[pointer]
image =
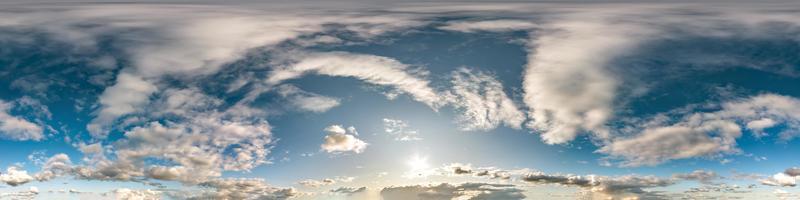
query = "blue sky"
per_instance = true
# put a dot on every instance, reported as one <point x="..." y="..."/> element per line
<point x="399" y="101"/>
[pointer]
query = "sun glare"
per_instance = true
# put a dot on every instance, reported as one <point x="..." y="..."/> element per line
<point x="417" y="162"/>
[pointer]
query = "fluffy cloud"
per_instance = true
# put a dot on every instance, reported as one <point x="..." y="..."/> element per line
<point x="306" y="101"/>
<point x="16" y="128"/>
<point x="196" y="140"/>
<point x="488" y="26"/>
<point x="472" y="191"/>
<point x="780" y="179"/>
<point x="58" y="165"/>
<point x="482" y="103"/>
<point x="15" y="176"/>
<point x="399" y="130"/>
<point x="567" y="84"/>
<point x="376" y="70"/>
<point x="787" y="178"/>
<point x="657" y="145"/>
<point x="130" y="94"/>
<point x="706" y="134"/>
<point x="340" y="140"/>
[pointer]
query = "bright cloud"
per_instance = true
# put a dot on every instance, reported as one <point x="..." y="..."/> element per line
<point x="340" y="140"/>
<point x="369" y="68"/>
<point x="706" y="134"/>
<point x="483" y="104"/>
<point x="16" y="128"/>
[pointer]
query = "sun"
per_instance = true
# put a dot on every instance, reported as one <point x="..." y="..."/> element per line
<point x="418" y="162"/>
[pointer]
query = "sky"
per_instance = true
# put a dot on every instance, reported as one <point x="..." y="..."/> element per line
<point x="404" y="100"/>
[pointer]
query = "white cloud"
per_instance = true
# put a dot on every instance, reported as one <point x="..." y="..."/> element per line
<point x="501" y="25"/>
<point x="181" y="41"/>
<point x="58" y="165"/>
<point x="780" y="179"/>
<point x="376" y="70"/>
<point x="338" y="140"/>
<point x="191" y="150"/>
<point x="182" y="102"/>
<point x="399" y="130"/>
<point x="758" y="126"/>
<point x="657" y="145"/>
<point x="16" y="128"/>
<point x="706" y="134"/>
<point x="15" y="176"/>
<point x="567" y="84"/>
<point x="482" y="103"/>
<point x="129" y="95"/>
<point x="304" y="100"/>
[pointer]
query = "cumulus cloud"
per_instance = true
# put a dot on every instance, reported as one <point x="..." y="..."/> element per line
<point x="372" y="69"/>
<point x="787" y="178"/>
<point x="473" y="191"/>
<point x="340" y="140"/>
<point x="196" y="141"/>
<point x="482" y="102"/>
<point x="58" y="165"/>
<point x="706" y="134"/>
<point x="500" y="25"/>
<point x="780" y="179"/>
<point x="16" y="128"/>
<point x="399" y="130"/>
<point x="15" y="176"/>
<point x="567" y="84"/>
<point x="306" y="101"/>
